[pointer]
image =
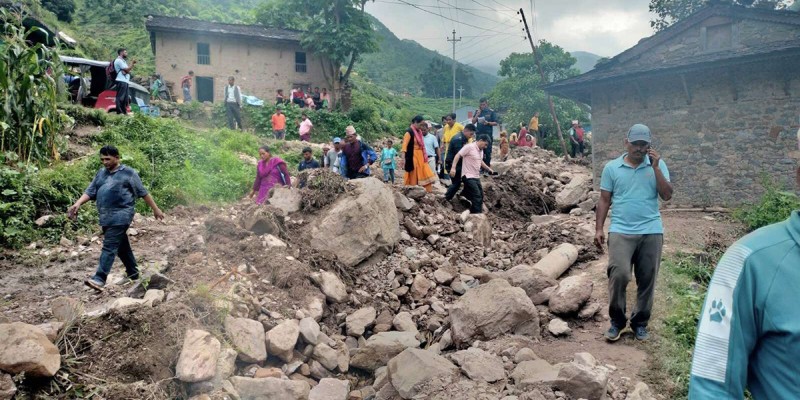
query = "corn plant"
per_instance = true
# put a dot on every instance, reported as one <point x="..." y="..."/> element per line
<point x="29" y="89"/>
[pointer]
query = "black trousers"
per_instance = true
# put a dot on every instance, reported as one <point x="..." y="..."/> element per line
<point x="487" y="153"/>
<point x="576" y="148"/>
<point x="123" y="100"/>
<point x="234" y="113"/>
<point x="473" y="191"/>
<point x="455" y="184"/>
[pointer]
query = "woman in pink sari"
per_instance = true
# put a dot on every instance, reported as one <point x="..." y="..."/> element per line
<point x="270" y="171"/>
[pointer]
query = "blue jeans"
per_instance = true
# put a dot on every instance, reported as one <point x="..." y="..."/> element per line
<point x="388" y="175"/>
<point x="187" y="94"/>
<point x="115" y="243"/>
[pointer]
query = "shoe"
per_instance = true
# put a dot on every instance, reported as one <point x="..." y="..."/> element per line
<point x="94" y="284"/>
<point x="613" y="333"/>
<point x="641" y="333"/>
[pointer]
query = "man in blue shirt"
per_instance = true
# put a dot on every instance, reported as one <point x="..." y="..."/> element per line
<point x="485" y="119"/>
<point x="749" y="329"/>
<point x="632" y="183"/>
<point x="431" y="148"/>
<point x="114" y="189"/>
<point x="123" y="99"/>
<point x="308" y="161"/>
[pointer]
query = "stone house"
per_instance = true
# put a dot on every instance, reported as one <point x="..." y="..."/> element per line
<point x="261" y="59"/>
<point x="720" y="91"/>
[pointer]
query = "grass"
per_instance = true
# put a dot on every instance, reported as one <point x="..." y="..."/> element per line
<point x="775" y="205"/>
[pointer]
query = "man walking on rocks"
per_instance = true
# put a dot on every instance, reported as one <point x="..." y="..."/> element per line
<point x="749" y="329"/>
<point x="632" y="183"/>
<point x="472" y="154"/>
<point x="456" y="144"/>
<point x="115" y="189"/>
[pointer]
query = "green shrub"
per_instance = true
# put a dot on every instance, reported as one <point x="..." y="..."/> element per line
<point x="774" y="206"/>
<point x="84" y="115"/>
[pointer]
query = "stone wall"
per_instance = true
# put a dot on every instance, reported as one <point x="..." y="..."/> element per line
<point x="717" y="148"/>
<point x="260" y="67"/>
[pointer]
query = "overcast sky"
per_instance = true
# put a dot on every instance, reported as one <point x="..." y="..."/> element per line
<point x="604" y="27"/>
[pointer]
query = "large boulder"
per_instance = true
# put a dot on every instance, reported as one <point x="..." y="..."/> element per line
<point x="198" y="359"/>
<point x="7" y="387"/>
<point x="285" y="199"/>
<point x="358" y="225"/>
<point x="479" y="226"/>
<point x="226" y="366"/>
<point x="381" y="347"/>
<point x="571" y="294"/>
<point x="582" y="381"/>
<point x="329" y="283"/>
<point x="532" y="373"/>
<point x="309" y="330"/>
<point x="25" y="348"/>
<point x="270" y="388"/>
<point x="479" y="365"/>
<point x="531" y="280"/>
<point x="248" y="338"/>
<point x="573" y="192"/>
<point x="282" y="338"/>
<point x="330" y="389"/>
<point x="416" y="371"/>
<point x="491" y="310"/>
<point x="358" y="321"/>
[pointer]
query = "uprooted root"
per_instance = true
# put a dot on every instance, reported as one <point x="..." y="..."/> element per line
<point x="509" y="196"/>
<point x="320" y="187"/>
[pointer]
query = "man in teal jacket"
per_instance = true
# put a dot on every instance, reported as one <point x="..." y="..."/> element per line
<point x="749" y="332"/>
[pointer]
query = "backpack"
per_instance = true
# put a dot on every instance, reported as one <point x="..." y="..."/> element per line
<point x="111" y="71"/>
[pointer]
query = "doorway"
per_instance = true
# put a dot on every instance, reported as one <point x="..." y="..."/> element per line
<point x="205" y="88"/>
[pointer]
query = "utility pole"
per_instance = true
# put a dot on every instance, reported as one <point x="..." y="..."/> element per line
<point x="460" y="93"/>
<point x="454" y="40"/>
<point x="544" y="81"/>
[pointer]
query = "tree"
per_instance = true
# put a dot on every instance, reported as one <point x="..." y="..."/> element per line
<point x="63" y="9"/>
<point x="670" y="11"/>
<point x="437" y="78"/>
<point x="337" y="30"/>
<point x="519" y="94"/>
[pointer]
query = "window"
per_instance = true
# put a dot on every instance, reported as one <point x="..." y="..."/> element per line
<point x="300" y="61"/>
<point x="203" y="54"/>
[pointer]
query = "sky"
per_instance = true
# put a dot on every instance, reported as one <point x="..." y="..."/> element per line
<point x="490" y="30"/>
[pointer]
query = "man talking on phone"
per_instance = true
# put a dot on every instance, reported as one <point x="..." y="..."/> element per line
<point x="632" y="183"/>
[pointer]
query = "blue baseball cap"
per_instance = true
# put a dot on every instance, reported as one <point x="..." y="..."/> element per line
<point x="639" y="132"/>
<point x="337" y="140"/>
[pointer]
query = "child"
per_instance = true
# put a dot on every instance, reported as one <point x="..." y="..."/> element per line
<point x="387" y="161"/>
<point x="513" y="138"/>
<point x="503" y="145"/>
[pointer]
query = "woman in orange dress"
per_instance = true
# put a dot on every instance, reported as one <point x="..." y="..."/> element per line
<point x="417" y="170"/>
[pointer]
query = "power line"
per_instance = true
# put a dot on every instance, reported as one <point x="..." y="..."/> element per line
<point x="494" y="9"/>
<point x="494" y="53"/>
<point x="461" y="23"/>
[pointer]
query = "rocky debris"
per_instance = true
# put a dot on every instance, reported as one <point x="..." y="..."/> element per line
<point x="556" y="262"/>
<point x="150" y="280"/>
<point x="154" y="297"/>
<point x="248" y="338"/>
<point x="330" y="389"/>
<point x="268" y="373"/>
<point x="262" y="221"/>
<point x="351" y="246"/>
<point x="124" y="303"/>
<point x="226" y="366"/>
<point x="414" y="192"/>
<point x="334" y="289"/>
<point x="25" y="348"/>
<point x="524" y="354"/>
<point x="282" y="338"/>
<point x="444" y="276"/>
<point x="51" y="329"/>
<point x="416" y="371"/>
<point x="420" y="287"/>
<point x="479" y="226"/>
<point x="571" y="294"/>
<point x="309" y="330"/>
<point x="7" y="387"/>
<point x="590" y="310"/>
<point x="558" y="327"/>
<point x="272" y="242"/>
<point x="326" y="355"/>
<point x="491" y="310"/>
<point x="573" y="192"/>
<point x="198" y="359"/>
<point x="583" y="381"/>
<point x="358" y="321"/>
<point x="270" y="388"/>
<point x="479" y="365"/>
<point x="640" y="392"/>
<point x="532" y="280"/>
<point x="403" y="322"/>
<point x="66" y="309"/>
<point x="286" y="199"/>
<point x="403" y="203"/>
<point x="528" y="374"/>
<point x="381" y="347"/>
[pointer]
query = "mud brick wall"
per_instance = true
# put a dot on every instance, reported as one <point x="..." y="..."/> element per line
<point x="740" y="124"/>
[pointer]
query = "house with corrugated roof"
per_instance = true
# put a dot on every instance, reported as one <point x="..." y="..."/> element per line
<point x="262" y="59"/>
<point x="720" y="91"/>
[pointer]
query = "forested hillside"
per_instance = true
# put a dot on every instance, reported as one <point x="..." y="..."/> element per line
<point x="391" y="68"/>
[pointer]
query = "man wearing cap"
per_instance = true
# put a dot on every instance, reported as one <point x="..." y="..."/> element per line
<point x="279" y="123"/>
<point x="632" y="183"/>
<point x="356" y="156"/>
<point x="576" y="139"/>
<point x="333" y="157"/>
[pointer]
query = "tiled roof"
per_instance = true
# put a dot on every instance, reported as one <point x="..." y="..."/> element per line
<point x="157" y="23"/>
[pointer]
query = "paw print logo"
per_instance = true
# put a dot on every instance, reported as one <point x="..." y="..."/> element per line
<point x="717" y="312"/>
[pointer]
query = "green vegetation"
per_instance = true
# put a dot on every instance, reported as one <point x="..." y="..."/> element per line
<point x="397" y="67"/>
<point x="670" y="11"/>
<point x="29" y="119"/>
<point x="774" y="206"/>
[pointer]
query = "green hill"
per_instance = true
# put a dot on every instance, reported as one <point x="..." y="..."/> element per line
<point x="390" y="67"/>
<point x="586" y="60"/>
